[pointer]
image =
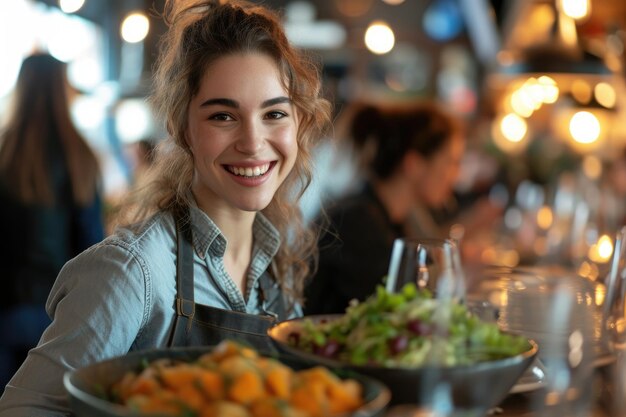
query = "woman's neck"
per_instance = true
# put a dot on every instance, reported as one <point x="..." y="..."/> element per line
<point x="238" y="255"/>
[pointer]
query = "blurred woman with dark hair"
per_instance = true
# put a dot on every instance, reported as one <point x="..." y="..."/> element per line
<point x="411" y="154"/>
<point x="51" y="206"/>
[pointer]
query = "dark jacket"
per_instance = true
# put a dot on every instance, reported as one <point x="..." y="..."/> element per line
<point x="354" y="253"/>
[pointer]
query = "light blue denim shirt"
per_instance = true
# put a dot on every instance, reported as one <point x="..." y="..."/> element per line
<point x="118" y="296"/>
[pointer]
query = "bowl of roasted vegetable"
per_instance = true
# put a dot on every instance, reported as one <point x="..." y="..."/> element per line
<point x="430" y="352"/>
<point x="228" y="380"/>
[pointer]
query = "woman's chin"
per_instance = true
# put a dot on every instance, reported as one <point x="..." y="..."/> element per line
<point x="252" y="205"/>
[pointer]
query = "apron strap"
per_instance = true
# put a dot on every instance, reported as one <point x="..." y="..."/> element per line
<point x="185" y="305"/>
<point x="184" y="266"/>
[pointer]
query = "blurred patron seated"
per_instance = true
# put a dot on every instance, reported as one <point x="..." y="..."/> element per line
<point x="51" y="203"/>
<point x="411" y="153"/>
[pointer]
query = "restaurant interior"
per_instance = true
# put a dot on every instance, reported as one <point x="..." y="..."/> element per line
<point x="540" y="89"/>
<point x="538" y="85"/>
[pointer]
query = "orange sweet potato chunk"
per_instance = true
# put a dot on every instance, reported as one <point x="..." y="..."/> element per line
<point x="268" y="407"/>
<point x="211" y="384"/>
<point x="175" y="376"/>
<point x="247" y="388"/>
<point x="278" y="380"/>
<point x="344" y="396"/>
<point x="310" y="397"/>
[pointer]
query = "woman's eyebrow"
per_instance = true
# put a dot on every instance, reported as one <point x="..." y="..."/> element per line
<point x="221" y="101"/>
<point x="274" y="101"/>
<point x="234" y="104"/>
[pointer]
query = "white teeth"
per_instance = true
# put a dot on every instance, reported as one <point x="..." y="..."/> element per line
<point x="249" y="171"/>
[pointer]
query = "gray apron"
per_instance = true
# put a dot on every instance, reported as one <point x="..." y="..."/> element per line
<point x="202" y="325"/>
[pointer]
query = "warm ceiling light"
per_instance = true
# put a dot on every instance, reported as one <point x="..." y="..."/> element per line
<point x="513" y="127"/>
<point x="601" y="251"/>
<point x="576" y="9"/>
<point x="550" y="89"/>
<point x="605" y="95"/>
<point x="71" y="6"/>
<point x="135" y="27"/>
<point x="522" y="104"/>
<point x="534" y="91"/>
<point x="379" y="38"/>
<point x="394" y="2"/>
<point x="553" y="50"/>
<point x="509" y="133"/>
<point x="584" y="127"/>
<point x="544" y="217"/>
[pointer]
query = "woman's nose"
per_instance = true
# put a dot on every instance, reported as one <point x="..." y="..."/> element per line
<point x="251" y="138"/>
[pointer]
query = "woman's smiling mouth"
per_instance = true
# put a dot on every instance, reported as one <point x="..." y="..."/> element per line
<point x="249" y="172"/>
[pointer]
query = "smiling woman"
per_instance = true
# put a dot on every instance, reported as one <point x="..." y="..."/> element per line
<point x="213" y="245"/>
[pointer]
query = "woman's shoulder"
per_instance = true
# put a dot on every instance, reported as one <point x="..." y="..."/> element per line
<point x="143" y="250"/>
<point x="158" y="228"/>
<point x="146" y="241"/>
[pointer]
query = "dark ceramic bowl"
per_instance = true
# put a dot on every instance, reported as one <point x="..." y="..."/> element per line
<point x="477" y="387"/>
<point x="87" y="385"/>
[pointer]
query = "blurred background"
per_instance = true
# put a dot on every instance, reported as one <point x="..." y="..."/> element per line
<point x="539" y="83"/>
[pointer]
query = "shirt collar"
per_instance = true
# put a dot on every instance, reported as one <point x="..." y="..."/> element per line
<point x="207" y="236"/>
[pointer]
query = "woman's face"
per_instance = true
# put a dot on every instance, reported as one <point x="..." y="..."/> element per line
<point x="242" y="133"/>
<point x="440" y="173"/>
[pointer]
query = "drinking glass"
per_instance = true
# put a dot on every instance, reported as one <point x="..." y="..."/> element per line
<point x="557" y="310"/>
<point x="435" y="265"/>
<point x="614" y="304"/>
<point x="432" y="264"/>
<point x="613" y="334"/>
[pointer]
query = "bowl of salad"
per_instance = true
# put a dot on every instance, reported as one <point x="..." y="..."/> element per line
<point x="431" y="352"/>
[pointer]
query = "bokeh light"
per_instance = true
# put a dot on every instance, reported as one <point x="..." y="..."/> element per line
<point x="576" y="9"/>
<point x="605" y="95"/>
<point x="379" y="37"/>
<point x="584" y="127"/>
<point x="135" y="27"/>
<point x="133" y="120"/>
<point x="71" y="6"/>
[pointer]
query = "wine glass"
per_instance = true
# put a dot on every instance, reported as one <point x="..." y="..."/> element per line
<point x="435" y="265"/>
<point x="556" y="309"/>
<point x="431" y="264"/>
<point x="614" y="304"/>
<point x="613" y="330"/>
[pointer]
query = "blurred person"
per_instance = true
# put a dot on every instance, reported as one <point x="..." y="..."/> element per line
<point x="51" y="203"/>
<point x="217" y="228"/>
<point x="411" y="153"/>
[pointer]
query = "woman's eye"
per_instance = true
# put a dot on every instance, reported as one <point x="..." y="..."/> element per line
<point x="221" y="117"/>
<point x="276" y="115"/>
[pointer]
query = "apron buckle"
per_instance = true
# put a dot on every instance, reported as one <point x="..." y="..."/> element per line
<point x="185" y="307"/>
